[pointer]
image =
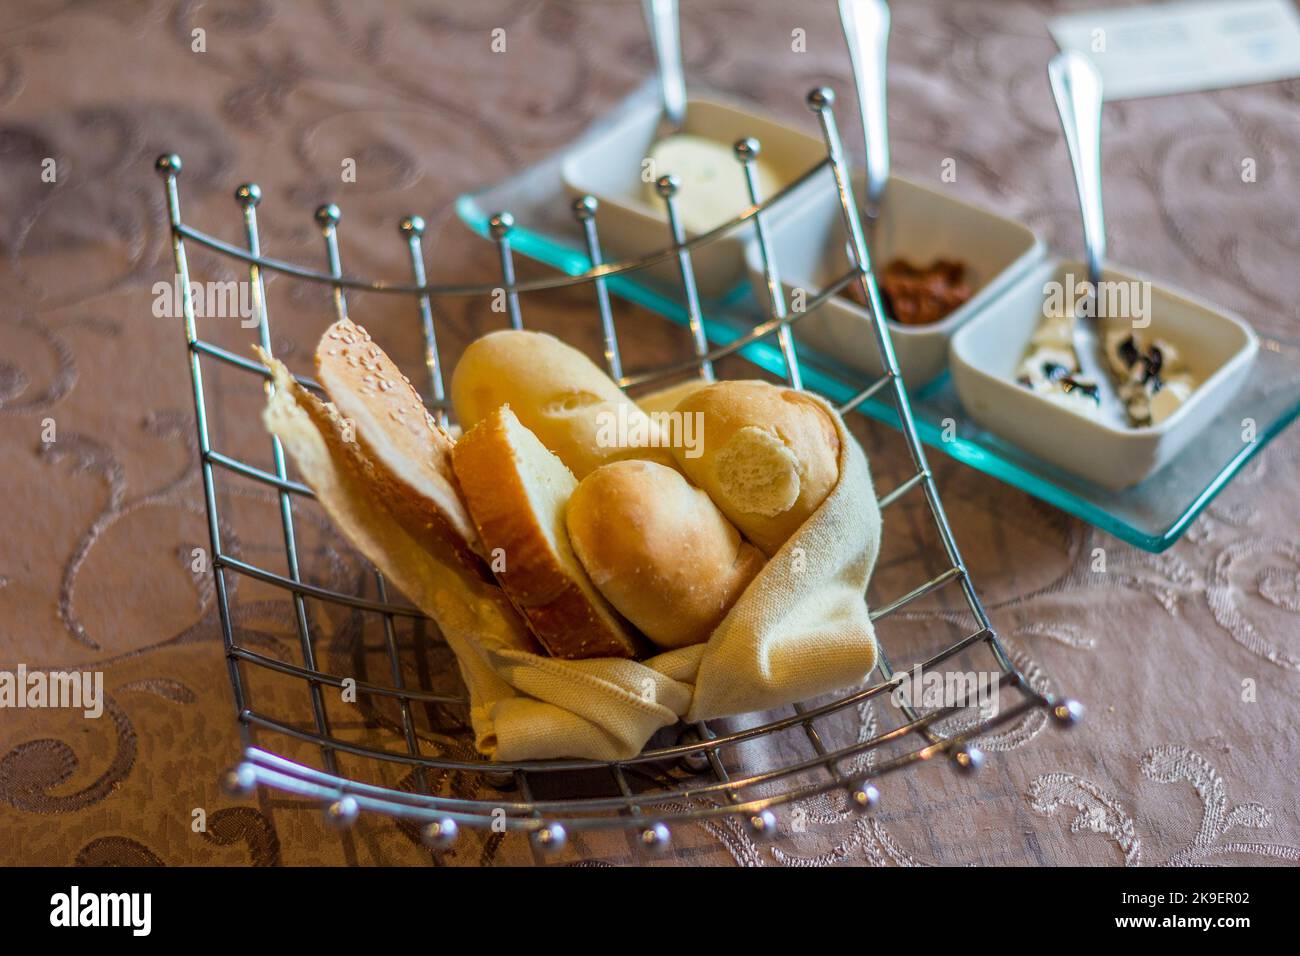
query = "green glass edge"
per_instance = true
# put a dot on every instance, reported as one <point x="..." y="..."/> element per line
<point x="544" y="249"/>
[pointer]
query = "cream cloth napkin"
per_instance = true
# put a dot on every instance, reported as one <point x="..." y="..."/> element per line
<point x="800" y="629"/>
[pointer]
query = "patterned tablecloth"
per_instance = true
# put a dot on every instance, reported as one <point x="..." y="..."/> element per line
<point x="1188" y="661"/>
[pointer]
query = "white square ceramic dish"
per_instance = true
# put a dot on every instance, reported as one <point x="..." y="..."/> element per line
<point x="1217" y="347"/>
<point x="917" y="223"/>
<point x="610" y="168"/>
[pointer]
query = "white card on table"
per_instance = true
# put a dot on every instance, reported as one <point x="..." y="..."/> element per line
<point x="1181" y="47"/>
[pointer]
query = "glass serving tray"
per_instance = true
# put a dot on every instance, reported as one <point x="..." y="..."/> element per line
<point x="1152" y="515"/>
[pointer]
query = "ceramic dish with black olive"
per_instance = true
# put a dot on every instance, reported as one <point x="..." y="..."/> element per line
<point x="1175" y="367"/>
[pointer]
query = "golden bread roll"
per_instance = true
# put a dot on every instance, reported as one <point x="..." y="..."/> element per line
<point x="668" y="398"/>
<point x="559" y="394"/>
<point x="770" y="457"/>
<point x="410" y="454"/>
<point x="659" y="550"/>
<point x="517" y="491"/>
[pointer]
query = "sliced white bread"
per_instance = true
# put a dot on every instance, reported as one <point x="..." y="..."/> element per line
<point x="410" y="454"/>
<point x="461" y="596"/>
<point x="517" y="492"/>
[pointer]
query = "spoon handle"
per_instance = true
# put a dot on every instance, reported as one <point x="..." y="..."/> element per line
<point x="866" y="31"/>
<point x="666" y="36"/>
<point x="1076" y="85"/>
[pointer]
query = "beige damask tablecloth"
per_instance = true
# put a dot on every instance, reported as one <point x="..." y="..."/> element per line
<point x="1188" y="661"/>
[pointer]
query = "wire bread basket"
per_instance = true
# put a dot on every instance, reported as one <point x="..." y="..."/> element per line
<point x="700" y="772"/>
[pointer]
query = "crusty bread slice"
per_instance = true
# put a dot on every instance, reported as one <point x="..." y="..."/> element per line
<point x="410" y="454"/>
<point x="517" y="492"/>
<point x="334" y="465"/>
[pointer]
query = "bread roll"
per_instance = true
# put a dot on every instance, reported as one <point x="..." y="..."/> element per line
<point x="517" y="491"/>
<point x="668" y="398"/>
<point x="659" y="550"/>
<point x="559" y="394"/>
<point x="409" y="453"/>
<point x="770" y="457"/>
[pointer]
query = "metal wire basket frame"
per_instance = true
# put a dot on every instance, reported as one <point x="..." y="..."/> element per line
<point x="709" y="791"/>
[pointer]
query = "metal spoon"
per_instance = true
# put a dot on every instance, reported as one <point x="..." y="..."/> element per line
<point x="866" y="31"/>
<point x="1076" y="86"/>
<point x="666" y="36"/>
